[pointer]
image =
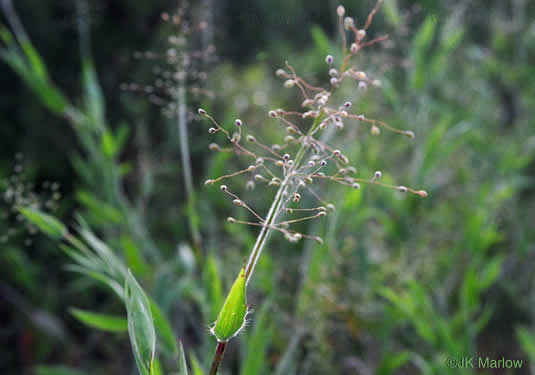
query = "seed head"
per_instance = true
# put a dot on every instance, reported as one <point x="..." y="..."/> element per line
<point x="323" y="163"/>
<point x="375" y="130"/>
<point x="402" y="189"/>
<point x="354" y="48"/>
<point x="355" y="185"/>
<point x="238" y="202"/>
<point x="209" y="182"/>
<point x="281" y="73"/>
<point x="343" y="159"/>
<point x="329" y="59"/>
<point x="349" y="23"/>
<point x="422" y="193"/>
<point x="286" y="156"/>
<point x="235" y="138"/>
<point x="214" y="147"/>
<point x="305" y="115"/>
<point x="238" y="122"/>
<point x="231" y="220"/>
<point x="360" y="75"/>
<point x="275" y="181"/>
<point x="340" y="10"/>
<point x="377" y="175"/>
<point x="307" y="103"/>
<point x="322" y="213"/>
<point x="361" y="117"/>
<point x="290" y="237"/>
<point x="201" y="112"/>
<point x="361" y="34"/>
<point x="272" y="113"/>
<point x="223" y="187"/>
<point x="250" y="138"/>
<point x="251" y="168"/>
<point x="289" y="83"/>
<point x="212" y="130"/>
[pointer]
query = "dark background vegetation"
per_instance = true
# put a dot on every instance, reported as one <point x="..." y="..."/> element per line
<point x="400" y="284"/>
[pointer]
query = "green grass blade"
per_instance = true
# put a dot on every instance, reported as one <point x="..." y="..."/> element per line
<point x="104" y="322"/>
<point x="140" y="325"/>
<point x="45" y="222"/>
<point x="164" y="329"/>
<point x="182" y="360"/>
<point x="257" y="343"/>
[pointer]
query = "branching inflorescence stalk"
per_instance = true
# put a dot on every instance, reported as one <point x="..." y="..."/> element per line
<point x="296" y="173"/>
<point x="275" y="208"/>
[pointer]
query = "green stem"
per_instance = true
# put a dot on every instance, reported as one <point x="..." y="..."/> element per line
<point x="275" y="207"/>
<point x="186" y="164"/>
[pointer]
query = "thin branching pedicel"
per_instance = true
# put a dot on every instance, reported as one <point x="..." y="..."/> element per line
<point x="305" y="157"/>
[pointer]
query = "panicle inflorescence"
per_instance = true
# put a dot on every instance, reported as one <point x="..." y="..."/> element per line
<point x="179" y="66"/>
<point x="17" y="192"/>
<point x="305" y="157"/>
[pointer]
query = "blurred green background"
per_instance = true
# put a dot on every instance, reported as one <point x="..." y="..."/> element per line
<point x="400" y="284"/>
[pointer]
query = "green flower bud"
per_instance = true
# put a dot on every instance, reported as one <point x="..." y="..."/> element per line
<point x="231" y="319"/>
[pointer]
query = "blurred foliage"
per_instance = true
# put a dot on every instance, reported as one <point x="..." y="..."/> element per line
<point x="400" y="283"/>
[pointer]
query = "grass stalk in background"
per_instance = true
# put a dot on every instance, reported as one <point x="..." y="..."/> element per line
<point x="179" y="81"/>
<point x="186" y="167"/>
<point x="182" y="125"/>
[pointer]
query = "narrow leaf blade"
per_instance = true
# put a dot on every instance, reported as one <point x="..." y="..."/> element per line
<point x="104" y="322"/>
<point x="140" y="325"/>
